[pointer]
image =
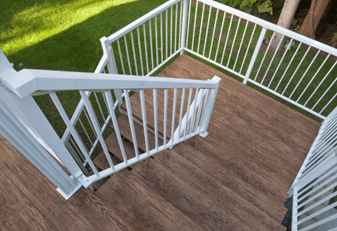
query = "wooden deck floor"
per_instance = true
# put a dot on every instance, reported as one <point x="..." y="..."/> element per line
<point x="234" y="179"/>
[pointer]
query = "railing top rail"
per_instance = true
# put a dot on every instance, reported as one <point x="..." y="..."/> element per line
<point x="141" y="20"/>
<point x="272" y="26"/>
<point x="28" y="81"/>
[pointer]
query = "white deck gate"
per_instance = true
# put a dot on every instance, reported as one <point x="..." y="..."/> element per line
<point x="303" y="74"/>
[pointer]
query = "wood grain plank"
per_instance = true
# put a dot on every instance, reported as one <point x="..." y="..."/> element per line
<point x="113" y="146"/>
<point x="226" y="199"/>
<point x="101" y="161"/>
<point x="40" y="191"/>
<point x="133" y="207"/>
<point x="99" y="214"/>
<point x="124" y="127"/>
<point x="175" y="215"/>
<point x="262" y="157"/>
<point x="16" y="211"/>
<point x="188" y="199"/>
<point x="234" y="175"/>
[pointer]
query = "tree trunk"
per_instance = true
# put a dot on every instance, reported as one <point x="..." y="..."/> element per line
<point x="285" y="19"/>
<point x="313" y="17"/>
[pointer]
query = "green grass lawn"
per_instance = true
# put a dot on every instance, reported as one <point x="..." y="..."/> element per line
<point x="63" y="35"/>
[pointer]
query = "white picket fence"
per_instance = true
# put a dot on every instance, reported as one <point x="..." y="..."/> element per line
<point x="302" y="74"/>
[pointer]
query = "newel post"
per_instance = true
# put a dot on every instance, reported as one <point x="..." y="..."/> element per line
<point x="28" y="132"/>
<point x="209" y="107"/>
<point x="184" y="27"/>
<point x="16" y="134"/>
<point x="256" y="51"/>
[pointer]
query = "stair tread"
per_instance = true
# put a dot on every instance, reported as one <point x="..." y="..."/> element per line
<point x="113" y="146"/>
<point x="101" y="161"/>
<point x="124" y="127"/>
<point x="148" y="93"/>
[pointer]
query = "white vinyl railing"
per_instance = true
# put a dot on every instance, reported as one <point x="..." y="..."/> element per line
<point x="303" y="72"/>
<point x="147" y="44"/>
<point x="314" y="188"/>
<point x="314" y="199"/>
<point x="96" y="110"/>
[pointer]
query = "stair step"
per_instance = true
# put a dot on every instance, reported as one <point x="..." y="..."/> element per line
<point x="124" y="127"/>
<point x="101" y="162"/>
<point x="171" y="187"/>
<point x="98" y="184"/>
<point x="113" y="147"/>
<point x="148" y="93"/>
<point x="115" y="152"/>
<point x="180" y="191"/>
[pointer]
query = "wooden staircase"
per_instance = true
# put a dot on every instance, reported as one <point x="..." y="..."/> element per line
<point x="186" y="188"/>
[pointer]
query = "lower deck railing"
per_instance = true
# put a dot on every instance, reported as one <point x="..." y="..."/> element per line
<point x="294" y="68"/>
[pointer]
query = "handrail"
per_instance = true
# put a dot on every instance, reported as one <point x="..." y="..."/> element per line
<point x="29" y="81"/>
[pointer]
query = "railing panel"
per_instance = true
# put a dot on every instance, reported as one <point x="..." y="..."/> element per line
<point x="177" y="119"/>
<point x="324" y="146"/>
<point x="300" y="74"/>
<point x="78" y="133"/>
<point x="315" y="198"/>
<point x="145" y="45"/>
<point x="300" y="71"/>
